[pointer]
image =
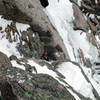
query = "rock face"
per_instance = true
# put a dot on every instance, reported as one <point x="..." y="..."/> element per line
<point x="91" y="6"/>
<point x="32" y="46"/>
<point x="31" y="12"/>
<point x="26" y="86"/>
<point x="4" y="60"/>
<point x="79" y="22"/>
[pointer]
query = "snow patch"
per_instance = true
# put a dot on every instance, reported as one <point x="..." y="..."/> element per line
<point x="5" y="46"/>
<point x="75" y="78"/>
<point x="15" y="64"/>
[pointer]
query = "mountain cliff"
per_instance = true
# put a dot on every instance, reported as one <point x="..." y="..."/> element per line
<point x="49" y="50"/>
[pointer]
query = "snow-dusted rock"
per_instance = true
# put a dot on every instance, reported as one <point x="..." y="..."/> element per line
<point x="77" y="74"/>
<point x="20" y="11"/>
<point x="20" y="85"/>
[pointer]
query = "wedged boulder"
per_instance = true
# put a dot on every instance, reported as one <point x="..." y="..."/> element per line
<point x="20" y="85"/>
<point x="4" y="60"/>
<point x="80" y="22"/>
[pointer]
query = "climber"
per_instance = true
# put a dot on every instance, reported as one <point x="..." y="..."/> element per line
<point x="45" y="56"/>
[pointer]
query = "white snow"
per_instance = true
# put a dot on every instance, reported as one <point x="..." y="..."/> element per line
<point x="5" y="46"/>
<point x="76" y="79"/>
<point x="75" y="96"/>
<point x="22" y="27"/>
<point x="91" y="16"/>
<point x="96" y="1"/>
<point x="95" y="84"/>
<point x="8" y="48"/>
<point x="21" y="81"/>
<point x="79" y="2"/>
<point x="98" y="39"/>
<point x="15" y="64"/>
<point x="42" y="69"/>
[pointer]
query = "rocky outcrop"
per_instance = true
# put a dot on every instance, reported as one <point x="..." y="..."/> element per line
<point x="4" y="60"/>
<point x="16" y="84"/>
<point x="31" y="12"/>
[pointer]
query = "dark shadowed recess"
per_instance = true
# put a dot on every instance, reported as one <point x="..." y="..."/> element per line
<point x="7" y="92"/>
<point x="44" y="3"/>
